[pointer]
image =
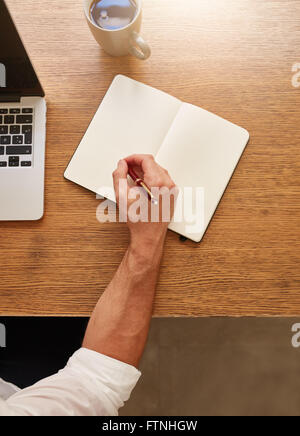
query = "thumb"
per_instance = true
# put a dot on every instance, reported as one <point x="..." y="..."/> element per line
<point x="120" y="174"/>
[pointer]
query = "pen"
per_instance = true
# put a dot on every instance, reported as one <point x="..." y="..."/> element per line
<point x="142" y="184"/>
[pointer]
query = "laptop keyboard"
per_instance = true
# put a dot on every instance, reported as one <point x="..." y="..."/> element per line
<point x="16" y="137"/>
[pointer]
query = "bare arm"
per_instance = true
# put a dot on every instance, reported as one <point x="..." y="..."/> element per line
<point x="120" y="322"/>
<point x="92" y="383"/>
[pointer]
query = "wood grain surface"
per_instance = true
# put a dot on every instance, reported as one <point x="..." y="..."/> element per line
<point x="231" y="57"/>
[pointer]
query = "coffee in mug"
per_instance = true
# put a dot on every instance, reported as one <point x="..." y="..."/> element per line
<point x="113" y="14"/>
<point x="116" y="26"/>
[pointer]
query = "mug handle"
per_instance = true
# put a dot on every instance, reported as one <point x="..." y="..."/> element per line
<point x="144" y="50"/>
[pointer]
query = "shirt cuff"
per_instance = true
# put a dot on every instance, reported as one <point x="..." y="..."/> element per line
<point x="115" y="375"/>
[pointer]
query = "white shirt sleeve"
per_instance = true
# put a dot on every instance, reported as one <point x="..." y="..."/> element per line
<point x="90" y="384"/>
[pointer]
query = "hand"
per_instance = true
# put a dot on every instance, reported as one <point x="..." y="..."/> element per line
<point x="145" y="234"/>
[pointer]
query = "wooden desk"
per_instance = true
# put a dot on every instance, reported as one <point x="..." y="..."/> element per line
<point x="232" y="57"/>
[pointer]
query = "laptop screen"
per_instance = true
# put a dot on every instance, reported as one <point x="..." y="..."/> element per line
<point x="16" y="72"/>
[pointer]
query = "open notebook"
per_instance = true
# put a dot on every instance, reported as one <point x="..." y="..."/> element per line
<point x="198" y="148"/>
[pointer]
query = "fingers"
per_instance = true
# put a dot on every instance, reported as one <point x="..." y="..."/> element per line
<point x="120" y="174"/>
<point x="154" y="174"/>
<point x="145" y="161"/>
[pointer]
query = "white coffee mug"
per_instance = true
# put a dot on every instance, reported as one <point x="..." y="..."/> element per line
<point x="120" y="42"/>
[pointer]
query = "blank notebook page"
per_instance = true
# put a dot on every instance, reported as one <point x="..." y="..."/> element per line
<point x="201" y="150"/>
<point x="132" y="118"/>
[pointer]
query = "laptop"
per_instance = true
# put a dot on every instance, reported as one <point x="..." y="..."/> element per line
<point x="22" y="128"/>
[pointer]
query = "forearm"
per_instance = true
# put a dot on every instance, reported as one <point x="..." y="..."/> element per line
<point x="120" y="322"/>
